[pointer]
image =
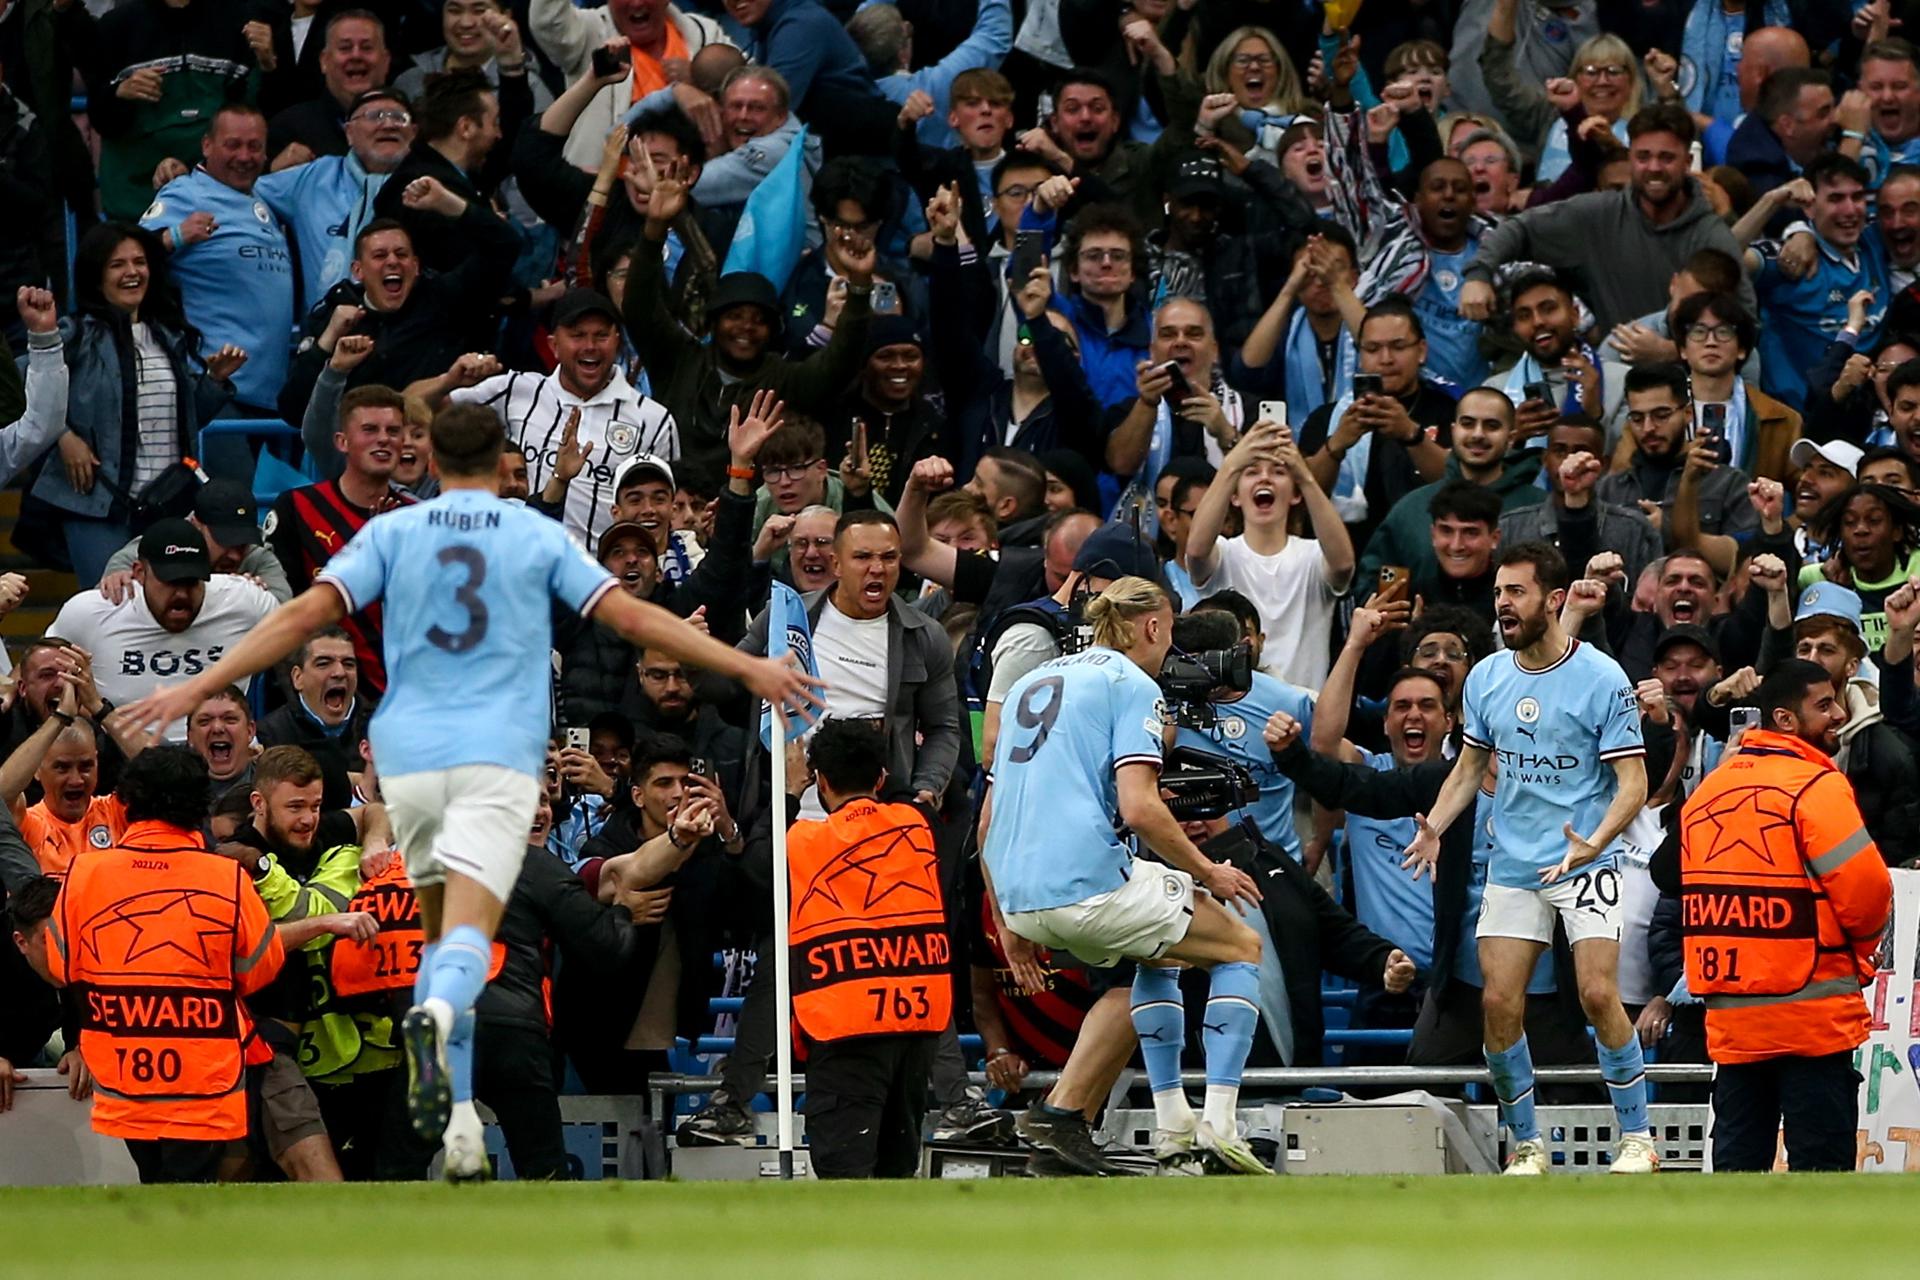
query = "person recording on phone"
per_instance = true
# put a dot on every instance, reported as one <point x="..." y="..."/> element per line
<point x="1373" y="447"/>
<point x="1558" y="372"/>
<point x="1678" y="473"/>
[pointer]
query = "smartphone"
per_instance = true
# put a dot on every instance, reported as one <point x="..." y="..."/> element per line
<point x="1182" y="390"/>
<point x="1541" y="391"/>
<point x="1043" y="110"/>
<point x="1696" y="158"/>
<point x="704" y="767"/>
<point x="886" y="297"/>
<point x="1368" y="384"/>
<point x="1274" y="411"/>
<point x="577" y="738"/>
<point x="1740" y="719"/>
<point x="1713" y="432"/>
<point x="1029" y="254"/>
<point x="1393" y="576"/>
<point x="860" y="446"/>
<point x="608" y="61"/>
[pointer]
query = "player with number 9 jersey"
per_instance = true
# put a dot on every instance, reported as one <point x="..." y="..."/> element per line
<point x="1069" y="725"/>
<point x="468" y="580"/>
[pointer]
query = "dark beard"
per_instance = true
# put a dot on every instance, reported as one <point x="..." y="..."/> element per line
<point x="1529" y="631"/>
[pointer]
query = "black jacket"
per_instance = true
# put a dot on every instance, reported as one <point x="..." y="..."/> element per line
<point x="423" y="338"/>
<point x="30" y="1010"/>
<point x="1310" y="931"/>
<point x="1390" y="472"/>
<point x="289" y="726"/>
<point x="32" y="222"/>
<point x="551" y="907"/>
<point x="1401" y="793"/>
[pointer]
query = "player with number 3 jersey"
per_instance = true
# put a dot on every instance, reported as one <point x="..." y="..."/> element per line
<point x="460" y="739"/>
<point x="1079" y="758"/>
<point x="1561" y="720"/>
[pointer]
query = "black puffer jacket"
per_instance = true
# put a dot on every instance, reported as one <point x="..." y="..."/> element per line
<point x="550" y="905"/>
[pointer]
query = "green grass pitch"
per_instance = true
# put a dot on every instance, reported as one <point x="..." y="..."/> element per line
<point x="1380" y="1228"/>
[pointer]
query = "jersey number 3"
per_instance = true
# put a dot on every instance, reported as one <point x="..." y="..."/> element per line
<point x="467" y="596"/>
<point x="1032" y="716"/>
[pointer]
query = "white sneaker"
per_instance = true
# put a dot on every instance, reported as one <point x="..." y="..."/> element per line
<point x="1178" y="1154"/>
<point x="1635" y="1154"/>
<point x="1529" y="1160"/>
<point x="465" y="1146"/>
<point x="1229" y="1150"/>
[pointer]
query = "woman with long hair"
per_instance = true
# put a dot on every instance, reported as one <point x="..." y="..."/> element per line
<point x="1253" y="66"/>
<point x="138" y="393"/>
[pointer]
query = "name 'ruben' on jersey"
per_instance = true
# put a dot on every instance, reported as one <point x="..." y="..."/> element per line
<point x="1066" y="728"/>
<point x="468" y="580"/>
<point x="1554" y="734"/>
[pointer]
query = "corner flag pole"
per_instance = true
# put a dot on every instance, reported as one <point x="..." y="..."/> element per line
<point x="782" y="979"/>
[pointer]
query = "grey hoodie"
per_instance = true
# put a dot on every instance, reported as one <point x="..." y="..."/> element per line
<point x="1620" y="262"/>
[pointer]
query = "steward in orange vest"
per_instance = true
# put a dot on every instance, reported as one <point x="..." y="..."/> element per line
<point x="160" y="939"/>
<point x="1783" y="901"/>
<point x="871" y="959"/>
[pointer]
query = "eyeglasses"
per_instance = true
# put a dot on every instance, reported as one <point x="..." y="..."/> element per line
<point x="1118" y="257"/>
<point x="853" y="228"/>
<point x="384" y="115"/>
<point x="1014" y="191"/>
<point x="1248" y="61"/>
<point x="618" y="273"/>
<point x="1603" y="71"/>
<point x="1446" y="652"/>
<point x="1399" y="347"/>
<point x="666" y="675"/>
<point x="801" y="544"/>
<point x="794" y="472"/>
<point x="1713" y="332"/>
<point x="1661" y="416"/>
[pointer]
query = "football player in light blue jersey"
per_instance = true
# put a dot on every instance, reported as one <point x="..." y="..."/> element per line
<point x="1080" y="755"/>
<point x="460" y="740"/>
<point x="1562" y="721"/>
<point x="1239" y="717"/>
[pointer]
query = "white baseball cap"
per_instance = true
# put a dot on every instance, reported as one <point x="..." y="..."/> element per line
<point x="641" y="463"/>
<point x="1841" y="454"/>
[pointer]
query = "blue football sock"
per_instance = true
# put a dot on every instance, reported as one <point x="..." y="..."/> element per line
<point x="1513" y="1086"/>
<point x="459" y="972"/>
<point x="1232" y="1014"/>
<point x="424" y="974"/>
<point x="1159" y="1018"/>
<point x="460" y="1056"/>
<point x="1625" y="1072"/>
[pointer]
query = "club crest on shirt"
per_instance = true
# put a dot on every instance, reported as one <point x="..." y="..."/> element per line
<point x="271" y="523"/>
<point x="154" y="210"/>
<point x="1233" y="727"/>
<point x="1447" y="280"/>
<point x="1526" y="710"/>
<point x="623" y="437"/>
<point x="99" y="837"/>
<point x="261" y="214"/>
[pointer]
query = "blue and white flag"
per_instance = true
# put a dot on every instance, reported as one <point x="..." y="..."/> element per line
<point x="773" y="226"/>
<point x="788" y="632"/>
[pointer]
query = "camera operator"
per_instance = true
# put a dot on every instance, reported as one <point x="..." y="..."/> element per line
<point x="1220" y="704"/>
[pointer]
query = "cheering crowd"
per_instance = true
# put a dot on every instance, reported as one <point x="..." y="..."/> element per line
<point x="1303" y="315"/>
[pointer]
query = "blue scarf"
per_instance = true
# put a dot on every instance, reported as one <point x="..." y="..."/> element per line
<point x="1307" y="388"/>
<point x="1350" y="486"/>
<point x="1554" y="156"/>
<point x="1703" y="48"/>
<point x="1527" y="369"/>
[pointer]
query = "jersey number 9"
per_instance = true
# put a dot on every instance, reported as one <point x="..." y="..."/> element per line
<point x="1032" y="716"/>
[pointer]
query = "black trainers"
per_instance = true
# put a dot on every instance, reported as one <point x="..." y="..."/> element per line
<point x="723" y="1122"/>
<point x="429" y="1084"/>
<point x="971" y="1120"/>
<point x="1068" y="1141"/>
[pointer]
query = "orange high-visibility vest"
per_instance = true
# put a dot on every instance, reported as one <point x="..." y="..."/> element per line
<point x="1783" y="899"/>
<point x="392" y="960"/>
<point x="868" y="926"/>
<point x="160" y="939"/>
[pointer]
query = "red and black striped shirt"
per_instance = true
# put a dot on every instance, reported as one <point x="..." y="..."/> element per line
<point x="1042" y="1027"/>
<point x="307" y="527"/>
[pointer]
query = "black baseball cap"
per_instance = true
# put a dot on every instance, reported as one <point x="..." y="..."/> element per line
<point x="175" y="551"/>
<point x="229" y="511"/>
<point x="1686" y="633"/>
<point x="1117" y="551"/>
<point x="1200" y="176"/>
<point x="575" y="304"/>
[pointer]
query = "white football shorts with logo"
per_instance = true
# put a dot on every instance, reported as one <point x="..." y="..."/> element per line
<point x="1587" y="903"/>
<point x="1138" y="921"/>
<point x="473" y="818"/>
